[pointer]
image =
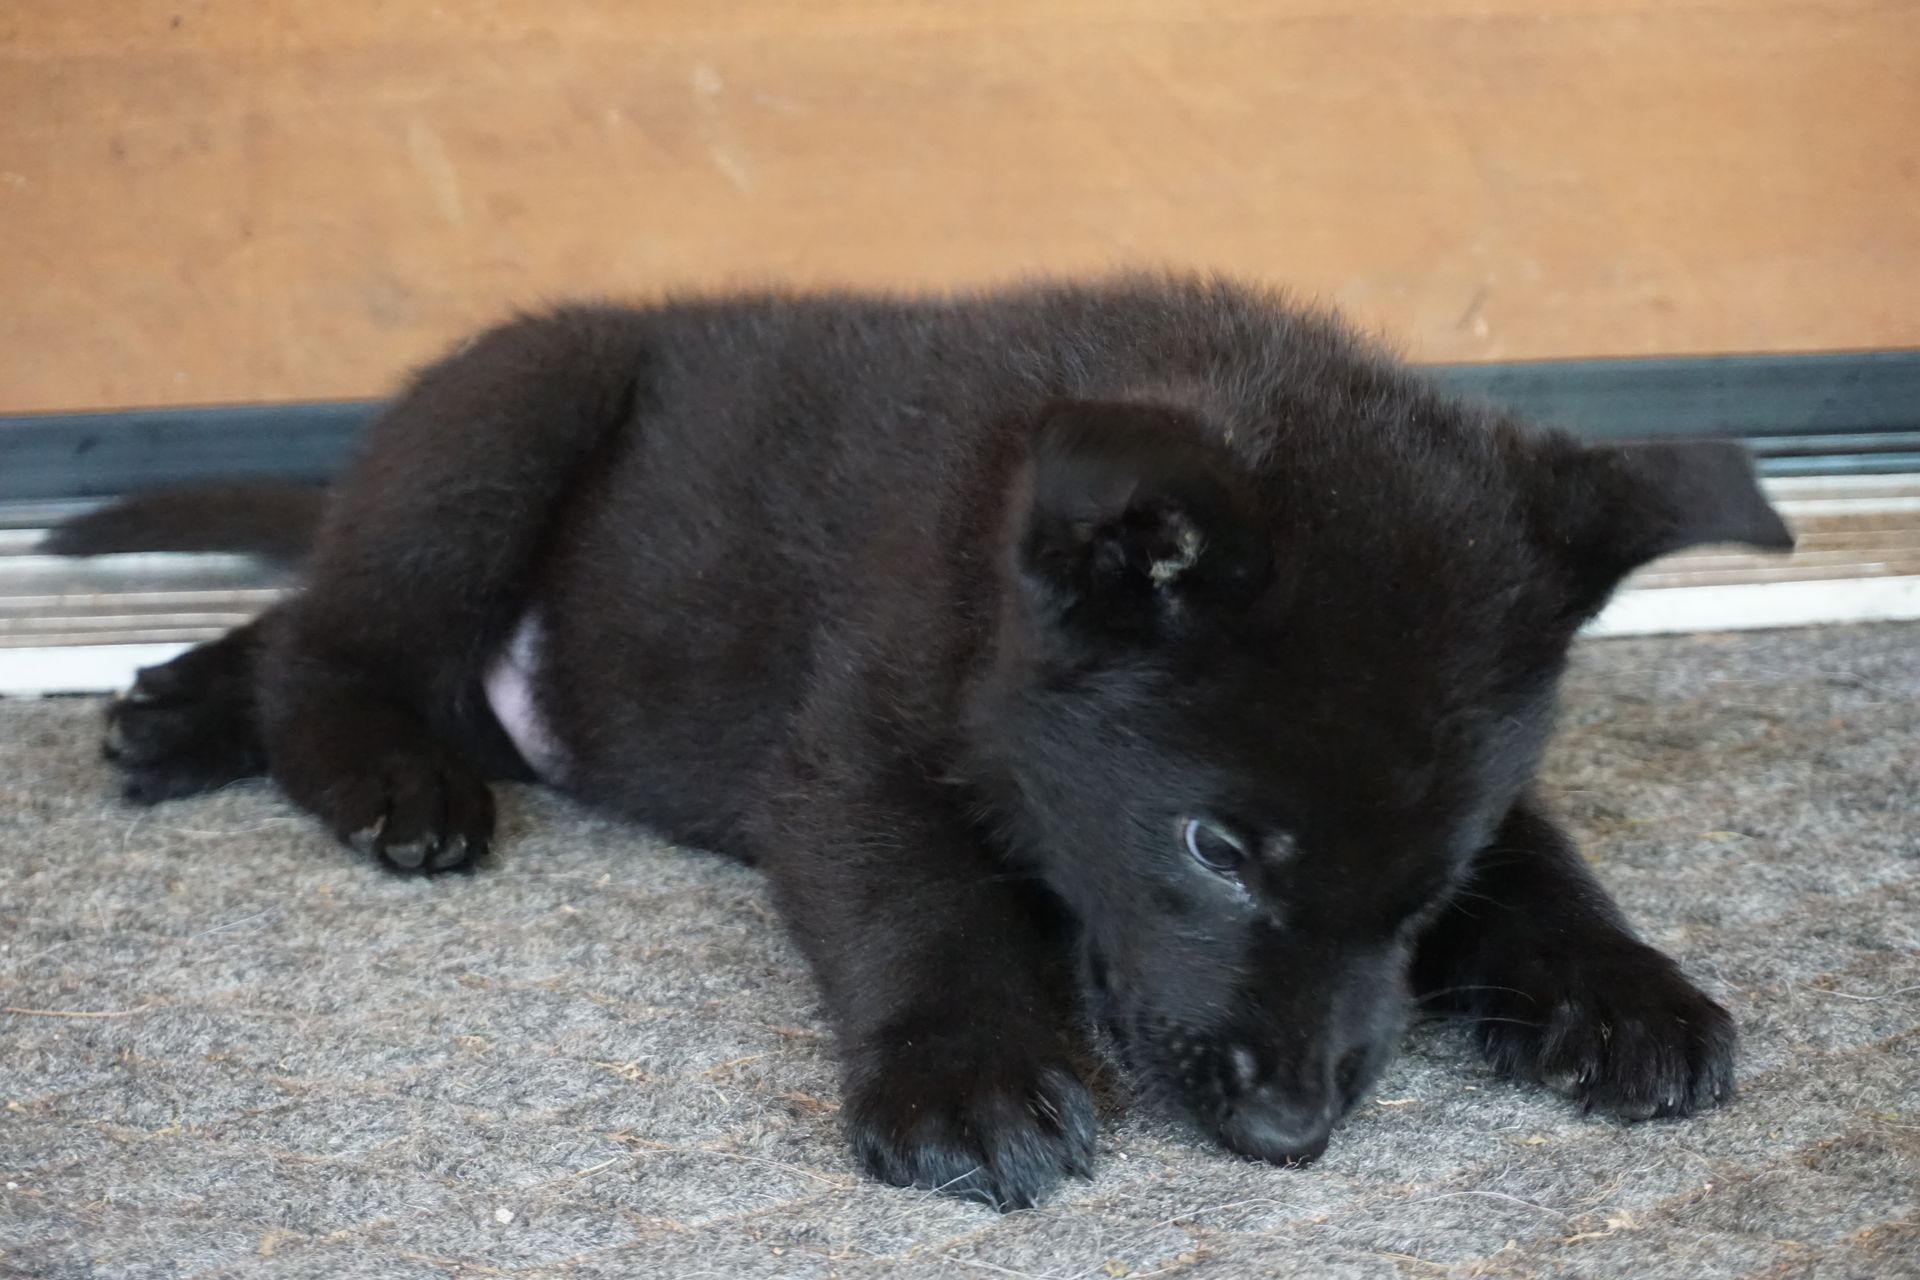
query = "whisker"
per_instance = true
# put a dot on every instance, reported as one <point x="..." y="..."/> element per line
<point x="1425" y="996"/>
<point x="1482" y="1019"/>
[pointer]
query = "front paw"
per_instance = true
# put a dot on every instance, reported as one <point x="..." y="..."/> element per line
<point x="984" y="1121"/>
<point x="1613" y="1024"/>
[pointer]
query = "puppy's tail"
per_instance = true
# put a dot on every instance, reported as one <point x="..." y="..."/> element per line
<point x="271" y="520"/>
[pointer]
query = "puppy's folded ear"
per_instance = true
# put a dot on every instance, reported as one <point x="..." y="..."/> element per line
<point x="1135" y="517"/>
<point x="1608" y="509"/>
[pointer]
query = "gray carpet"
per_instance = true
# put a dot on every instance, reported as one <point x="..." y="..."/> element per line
<point x="230" y="1049"/>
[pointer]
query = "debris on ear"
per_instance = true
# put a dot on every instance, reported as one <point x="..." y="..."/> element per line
<point x="1608" y="509"/>
<point x="1133" y="510"/>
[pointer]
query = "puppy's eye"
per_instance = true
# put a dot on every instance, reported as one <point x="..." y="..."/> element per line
<point x="1213" y="846"/>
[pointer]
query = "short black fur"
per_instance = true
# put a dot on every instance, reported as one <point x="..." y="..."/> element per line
<point x="1152" y="654"/>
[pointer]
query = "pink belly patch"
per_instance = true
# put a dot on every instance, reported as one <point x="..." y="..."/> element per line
<point x="509" y="687"/>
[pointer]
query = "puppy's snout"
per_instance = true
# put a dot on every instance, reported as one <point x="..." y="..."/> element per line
<point x="1279" y="1130"/>
<point x="1278" y="1115"/>
<point x="1288" y="1117"/>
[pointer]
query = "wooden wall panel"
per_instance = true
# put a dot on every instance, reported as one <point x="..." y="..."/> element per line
<point x="215" y="200"/>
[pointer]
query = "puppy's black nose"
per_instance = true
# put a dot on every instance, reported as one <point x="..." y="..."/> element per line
<point x="1278" y="1131"/>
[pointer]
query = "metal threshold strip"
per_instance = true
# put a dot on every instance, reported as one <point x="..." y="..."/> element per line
<point x="1857" y="560"/>
<point x="71" y="626"/>
<point x="1836" y="435"/>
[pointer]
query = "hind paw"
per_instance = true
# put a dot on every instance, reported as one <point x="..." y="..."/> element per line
<point x="386" y="789"/>
<point x="186" y="726"/>
<point x="417" y="814"/>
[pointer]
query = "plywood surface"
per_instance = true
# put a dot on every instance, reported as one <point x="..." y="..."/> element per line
<point x="212" y="201"/>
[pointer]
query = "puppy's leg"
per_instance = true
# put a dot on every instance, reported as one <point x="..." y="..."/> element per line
<point x="1563" y="992"/>
<point x="950" y="991"/>
<point x="370" y="693"/>
<point x="190" y="725"/>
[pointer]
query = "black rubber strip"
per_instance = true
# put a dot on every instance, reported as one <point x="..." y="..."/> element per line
<point x="1844" y="413"/>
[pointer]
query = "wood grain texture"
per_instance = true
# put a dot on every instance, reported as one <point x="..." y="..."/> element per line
<point x="220" y="200"/>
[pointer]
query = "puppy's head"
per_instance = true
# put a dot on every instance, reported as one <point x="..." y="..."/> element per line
<point x="1263" y="688"/>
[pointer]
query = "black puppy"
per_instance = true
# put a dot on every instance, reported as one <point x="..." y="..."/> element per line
<point x="1152" y="650"/>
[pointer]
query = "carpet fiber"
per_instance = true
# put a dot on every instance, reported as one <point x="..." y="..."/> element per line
<point x="229" y="1048"/>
